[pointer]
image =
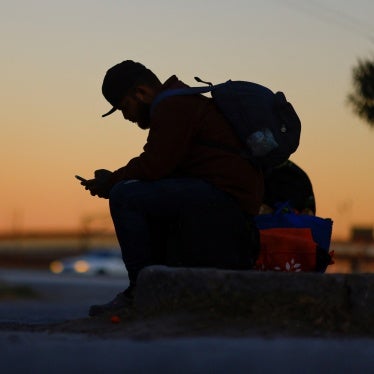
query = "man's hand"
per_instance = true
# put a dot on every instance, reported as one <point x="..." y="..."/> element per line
<point x="99" y="186"/>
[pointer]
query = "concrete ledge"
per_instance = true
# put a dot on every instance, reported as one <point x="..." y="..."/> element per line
<point x="333" y="301"/>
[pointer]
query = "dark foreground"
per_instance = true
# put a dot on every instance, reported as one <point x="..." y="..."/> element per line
<point x="196" y="321"/>
<point x="174" y="303"/>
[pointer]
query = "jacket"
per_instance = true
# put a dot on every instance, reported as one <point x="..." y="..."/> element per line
<point x="175" y="148"/>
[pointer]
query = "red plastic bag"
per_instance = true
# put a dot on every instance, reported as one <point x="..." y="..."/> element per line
<point x="287" y="249"/>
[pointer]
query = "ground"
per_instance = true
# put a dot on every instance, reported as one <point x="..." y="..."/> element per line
<point x="208" y="302"/>
<point x="298" y="319"/>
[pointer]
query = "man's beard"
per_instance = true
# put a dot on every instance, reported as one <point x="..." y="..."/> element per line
<point x="143" y="116"/>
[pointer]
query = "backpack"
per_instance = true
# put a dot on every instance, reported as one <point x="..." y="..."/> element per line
<point x="266" y="122"/>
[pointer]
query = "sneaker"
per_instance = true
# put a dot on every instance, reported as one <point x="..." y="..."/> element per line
<point x="122" y="300"/>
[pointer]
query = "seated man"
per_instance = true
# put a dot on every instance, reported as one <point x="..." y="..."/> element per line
<point x="288" y="183"/>
<point x="177" y="180"/>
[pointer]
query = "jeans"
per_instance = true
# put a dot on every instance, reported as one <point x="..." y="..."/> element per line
<point x="143" y="211"/>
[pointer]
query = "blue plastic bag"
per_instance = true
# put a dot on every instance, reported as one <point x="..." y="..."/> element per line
<point x="321" y="228"/>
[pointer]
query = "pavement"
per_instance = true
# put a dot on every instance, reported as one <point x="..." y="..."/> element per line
<point x="65" y="353"/>
<point x="212" y="321"/>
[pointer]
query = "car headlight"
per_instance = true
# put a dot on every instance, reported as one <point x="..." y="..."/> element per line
<point x="81" y="266"/>
<point x="56" y="267"/>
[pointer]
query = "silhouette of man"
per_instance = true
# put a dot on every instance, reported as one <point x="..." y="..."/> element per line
<point x="177" y="178"/>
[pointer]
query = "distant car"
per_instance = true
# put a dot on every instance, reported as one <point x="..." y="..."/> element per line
<point x="94" y="262"/>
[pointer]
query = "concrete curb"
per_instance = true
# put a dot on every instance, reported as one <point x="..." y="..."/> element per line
<point x="334" y="299"/>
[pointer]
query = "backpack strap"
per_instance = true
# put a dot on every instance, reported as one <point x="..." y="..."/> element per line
<point x="178" y="92"/>
<point x="182" y="91"/>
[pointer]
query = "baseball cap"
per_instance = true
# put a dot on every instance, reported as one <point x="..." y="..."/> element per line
<point x="118" y="80"/>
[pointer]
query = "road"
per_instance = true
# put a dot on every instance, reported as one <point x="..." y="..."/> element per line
<point x="61" y="297"/>
<point x="68" y="298"/>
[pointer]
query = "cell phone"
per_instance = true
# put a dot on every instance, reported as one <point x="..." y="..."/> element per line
<point x="81" y="178"/>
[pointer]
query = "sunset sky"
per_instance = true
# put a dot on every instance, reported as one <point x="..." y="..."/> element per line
<point x="54" y="55"/>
